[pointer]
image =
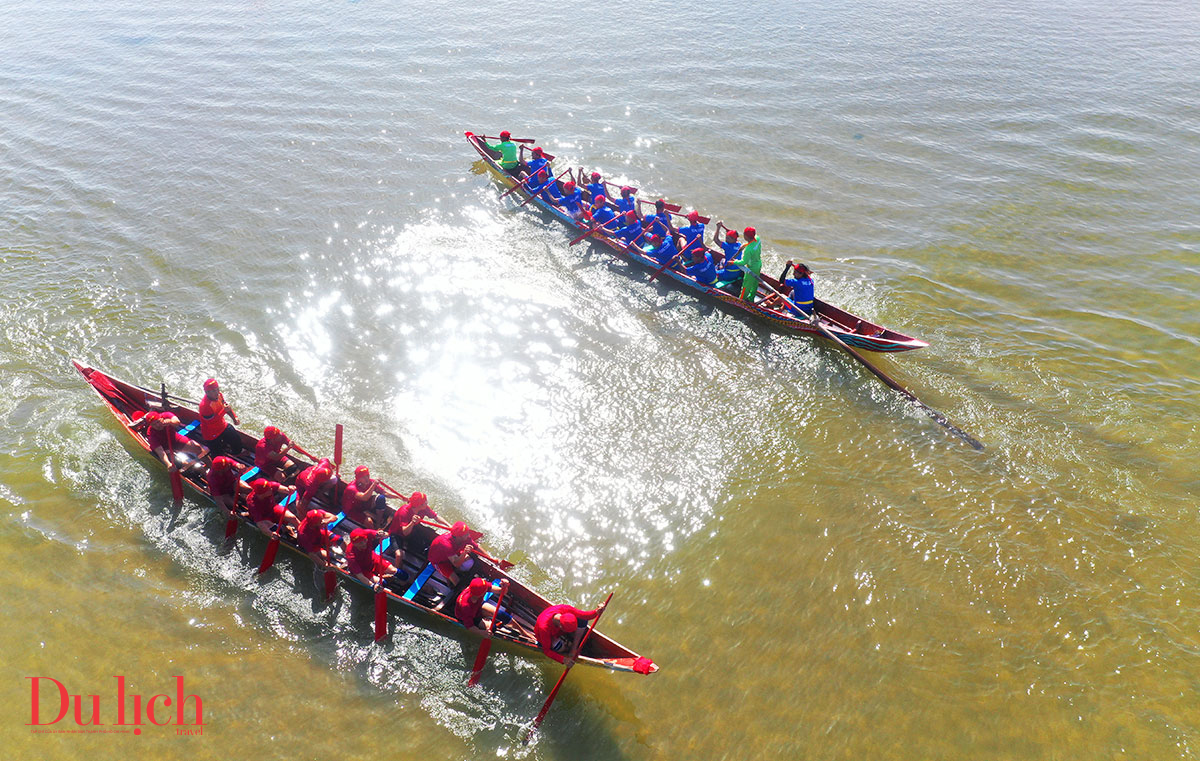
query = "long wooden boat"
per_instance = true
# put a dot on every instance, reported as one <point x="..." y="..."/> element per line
<point x="421" y="590"/>
<point x="850" y="328"/>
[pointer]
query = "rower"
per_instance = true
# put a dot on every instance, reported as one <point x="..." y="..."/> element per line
<point x="801" y="286"/>
<point x="662" y="249"/>
<point x="729" y="247"/>
<point x="701" y="268"/>
<point x="217" y="434"/>
<point x="266" y="510"/>
<point x="472" y="611"/>
<point x="631" y="232"/>
<point x="600" y="213"/>
<point x="660" y="220"/>
<point x="450" y="553"/>
<point x="546" y="186"/>
<point x="508" y="153"/>
<point x="311" y="482"/>
<point x="163" y="438"/>
<point x="363" y="562"/>
<point x="363" y="501"/>
<point x="596" y="186"/>
<point x="557" y="630"/>
<point x="405" y="520"/>
<point x="693" y="234"/>
<point x="315" y="539"/>
<point x="750" y="260"/>
<point x="627" y="203"/>
<point x="538" y="162"/>
<point x="270" y="453"/>
<point x="572" y="199"/>
<point x="224" y="485"/>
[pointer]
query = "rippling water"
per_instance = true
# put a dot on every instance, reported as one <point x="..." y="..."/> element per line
<point x="278" y="194"/>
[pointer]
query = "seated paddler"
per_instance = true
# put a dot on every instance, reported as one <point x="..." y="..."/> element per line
<point x="626" y="202"/>
<point x="164" y="438"/>
<point x="266" y="508"/>
<point x="600" y="213"/>
<point x="572" y="200"/>
<point x="472" y="608"/>
<point x="630" y="232"/>
<point x="729" y="248"/>
<point x="315" y="538"/>
<point x="363" y="500"/>
<point x="364" y="563"/>
<point x="538" y="161"/>
<point x="662" y="249"/>
<point x="450" y="553"/>
<point x="312" y="481"/>
<point x="701" y="268"/>
<point x="546" y="187"/>
<point x="509" y="160"/>
<point x="800" y="287"/>
<point x="406" y="519"/>
<point x="660" y="221"/>
<point x="558" y="631"/>
<point x="693" y="232"/>
<point x="225" y="484"/>
<point x="270" y="454"/>
<point x="596" y="186"/>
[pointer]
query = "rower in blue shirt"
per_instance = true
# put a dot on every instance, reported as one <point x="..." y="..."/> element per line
<point x="546" y="186"/>
<point x="730" y="248"/>
<point x="596" y="186"/>
<point x="662" y="249"/>
<point x="626" y="203"/>
<point x="600" y="212"/>
<point x="631" y="232"/>
<point x="702" y="268"/>
<point x="693" y="234"/>
<point x="730" y="273"/>
<point x="801" y="286"/>
<point x="572" y="199"/>
<point x="539" y="162"/>
<point x="660" y="220"/>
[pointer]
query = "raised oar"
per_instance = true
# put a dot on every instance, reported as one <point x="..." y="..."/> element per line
<point x="173" y="469"/>
<point x="486" y="646"/>
<point x="537" y="722"/>
<point x="671" y="261"/>
<point x="337" y="448"/>
<point x="938" y="417"/>
<point x="595" y="230"/>
<point x="515" y="188"/>
<point x="556" y="179"/>
<point x="513" y="139"/>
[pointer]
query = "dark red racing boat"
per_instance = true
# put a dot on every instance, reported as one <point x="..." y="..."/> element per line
<point x="421" y="589"/>
<point x="850" y="328"/>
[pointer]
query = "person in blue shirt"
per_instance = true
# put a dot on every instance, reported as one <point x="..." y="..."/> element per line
<point x="538" y="162"/>
<point x="701" y="268"/>
<point x="596" y="186"/>
<point x="626" y="203"/>
<point x="801" y="286"/>
<point x="729" y="273"/>
<point x="729" y="247"/>
<point x="599" y="212"/>
<point x="660" y="220"/>
<point x="546" y="186"/>
<point x="662" y="249"/>
<point x="693" y="234"/>
<point x="572" y="199"/>
<point x="631" y="232"/>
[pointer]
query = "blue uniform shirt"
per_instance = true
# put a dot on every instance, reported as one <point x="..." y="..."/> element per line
<point x="597" y="189"/>
<point x="573" y="201"/>
<point x="661" y="224"/>
<point x="731" y="249"/>
<point x="691" y="233"/>
<point x="548" y="190"/>
<point x="705" y="272"/>
<point x="603" y="215"/>
<point x="626" y="204"/>
<point x="535" y="164"/>
<point x="665" y="252"/>
<point x="802" y="292"/>
<point x="630" y="232"/>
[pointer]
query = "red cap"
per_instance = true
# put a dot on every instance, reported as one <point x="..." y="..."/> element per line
<point x="478" y="585"/>
<point x="595" y="175"/>
<point x="362" y="472"/>
<point x="150" y="416"/>
<point x="569" y="185"/>
<point x="599" y="200"/>
<point x="731" y="235"/>
<point x="459" y="529"/>
<point x="363" y="535"/>
<point x="222" y="463"/>
<point x="568" y="622"/>
<point x="271" y="432"/>
<point x="626" y="190"/>
<point x="659" y="204"/>
<point x="537" y="151"/>
<point x="211" y="383"/>
<point x="656" y="238"/>
<point x="749" y="232"/>
<point x="505" y="134"/>
<point x="418" y="499"/>
<point x="261" y="484"/>
<point x="630" y="216"/>
<point x="693" y="216"/>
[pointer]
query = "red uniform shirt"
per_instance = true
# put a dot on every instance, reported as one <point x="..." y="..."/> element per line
<point x="266" y="453"/>
<point x="404" y="515"/>
<point x="466" y="610"/>
<point x="444" y="547"/>
<point x="310" y="482"/>
<point x="313" y="534"/>
<point x="367" y="562"/>
<point x="158" y="437"/>
<point x="264" y="505"/>
<point x="547" y="630"/>
<point x="352" y="506"/>
<point x="222" y="483"/>
<point x="212" y="417"/>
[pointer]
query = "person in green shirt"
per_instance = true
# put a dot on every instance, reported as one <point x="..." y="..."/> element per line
<point x="750" y="260"/>
<point x="508" y="152"/>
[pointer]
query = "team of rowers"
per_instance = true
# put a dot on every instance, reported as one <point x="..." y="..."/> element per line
<point x="280" y="497"/>
<point x="729" y="265"/>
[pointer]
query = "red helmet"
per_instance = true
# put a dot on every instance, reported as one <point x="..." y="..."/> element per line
<point x="459" y="529"/>
<point x="211" y="383"/>
<point x="362" y="472"/>
<point x="601" y="200"/>
<point x="626" y="190"/>
<point x="569" y="185"/>
<point x="222" y="463"/>
<point x="569" y="622"/>
<point x="750" y="232"/>
<point x="595" y="175"/>
<point x="537" y="151"/>
<point x="693" y="216"/>
<point x="271" y="432"/>
<point x="504" y="135"/>
<point x="363" y="535"/>
<point x="630" y="216"/>
<point x="418" y="499"/>
<point x="731" y="235"/>
<point x="261" y="484"/>
<point x="478" y="586"/>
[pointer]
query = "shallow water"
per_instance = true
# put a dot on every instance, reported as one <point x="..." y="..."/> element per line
<point x="279" y="195"/>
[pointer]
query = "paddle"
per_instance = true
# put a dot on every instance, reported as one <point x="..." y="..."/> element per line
<point x="513" y="139"/>
<point x="380" y="613"/>
<point x="330" y="583"/>
<point x="941" y="419"/>
<point x="173" y="469"/>
<point x="671" y="261"/>
<point x="535" y="195"/>
<point x="672" y="207"/>
<point x="302" y="451"/>
<point x="269" y="556"/>
<point x="337" y="448"/>
<point x="595" y="229"/>
<point x="486" y="646"/>
<point x="537" y="722"/>
<point x="515" y="188"/>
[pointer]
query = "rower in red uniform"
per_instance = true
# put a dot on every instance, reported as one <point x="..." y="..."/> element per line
<point x="264" y="506"/>
<point x="217" y="434"/>
<point x="450" y="552"/>
<point x="270" y="454"/>
<point x="311" y="482"/>
<point x="363" y="501"/>
<point x="557" y="630"/>
<point x="225" y="484"/>
<point x="406" y="518"/>
<point x="470" y="608"/>
<point x="162" y="437"/>
<point x="363" y="562"/>
<point x="315" y="539"/>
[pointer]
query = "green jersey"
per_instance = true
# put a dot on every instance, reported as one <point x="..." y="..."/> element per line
<point x="751" y="258"/>
<point x="508" y="153"/>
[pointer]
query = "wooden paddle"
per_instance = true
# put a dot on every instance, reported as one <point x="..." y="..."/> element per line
<point x="173" y="469"/>
<point x="535" y="195"/>
<point x="269" y="556"/>
<point x="941" y="419"/>
<point x="537" y="722"/>
<point x="595" y="229"/>
<point x="671" y="261"/>
<point x="330" y="583"/>
<point x="512" y="139"/>
<point x="486" y="646"/>
<point x="380" y="613"/>
<point x="337" y="449"/>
